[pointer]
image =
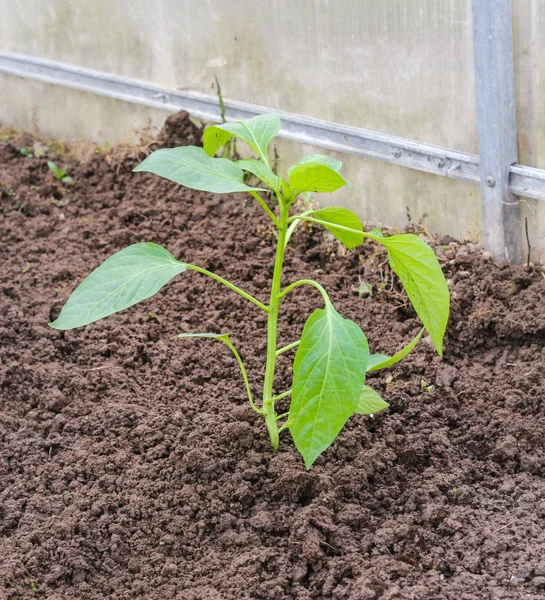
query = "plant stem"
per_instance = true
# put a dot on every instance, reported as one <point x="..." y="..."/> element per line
<point x="230" y="286"/>
<point x="272" y="326"/>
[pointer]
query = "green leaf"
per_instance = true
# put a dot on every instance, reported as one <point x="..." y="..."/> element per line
<point x="193" y="168"/>
<point x="213" y="336"/>
<point x="375" y="362"/>
<point x="286" y="192"/>
<point x="377" y="232"/>
<point x="127" y="277"/>
<point x="376" y="359"/>
<point x="261" y="171"/>
<point x="345" y="218"/>
<point x="67" y="179"/>
<point x="315" y="177"/>
<point x="320" y="159"/>
<point x="328" y="374"/>
<point x="370" y="402"/>
<point x="415" y="263"/>
<point x="256" y="132"/>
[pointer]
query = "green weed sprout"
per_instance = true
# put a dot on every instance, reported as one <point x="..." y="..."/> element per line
<point x="332" y="355"/>
<point x="60" y="174"/>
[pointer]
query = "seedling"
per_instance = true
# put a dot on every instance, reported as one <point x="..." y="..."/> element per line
<point x="425" y="386"/>
<point x="32" y="152"/>
<point x="59" y="173"/>
<point x="364" y="289"/>
<point x="332" y="356"/>
<point x="102" y="149"/>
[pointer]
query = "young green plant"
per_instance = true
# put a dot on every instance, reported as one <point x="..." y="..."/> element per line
<point x="59" y="173"/>
<point x="332" y="355"/>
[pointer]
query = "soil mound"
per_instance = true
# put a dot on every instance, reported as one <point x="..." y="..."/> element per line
<point x="131" y="466"/>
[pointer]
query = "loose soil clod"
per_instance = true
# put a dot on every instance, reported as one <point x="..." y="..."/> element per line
<point x="131" y="467"/>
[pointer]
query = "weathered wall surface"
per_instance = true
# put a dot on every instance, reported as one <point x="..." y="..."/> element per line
<point x="529" y="42"/>
<point x="399" y="67"/>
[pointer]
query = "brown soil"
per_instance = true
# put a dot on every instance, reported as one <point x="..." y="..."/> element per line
<point x="131" y="466"/>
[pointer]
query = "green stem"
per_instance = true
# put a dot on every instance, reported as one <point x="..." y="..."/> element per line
<point x="306" y="282"/>
<point x="265" y="208"/>
<point x="272" y="326"/>
<point x="230" y="286"/>
<point x="228" y="342"/>
<point x="288" y="348"/>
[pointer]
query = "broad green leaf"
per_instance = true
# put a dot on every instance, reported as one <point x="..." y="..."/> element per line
<point x="193" y="168"/>
<point x="370" y="402"/>
<point x="328" y="375"/>
<point x="320" y="159"/>
<point x="262" y="171"/>
<point x="127" y="277"/>
<point x="375" y="362"/>
<point x="415" y="263"/>
<point x="345" y="218"/>
<point x="315" y="177"/>
<point x="256" y="132"/>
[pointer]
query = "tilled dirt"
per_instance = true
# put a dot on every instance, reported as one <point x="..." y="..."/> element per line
<point x="132" y="467"/>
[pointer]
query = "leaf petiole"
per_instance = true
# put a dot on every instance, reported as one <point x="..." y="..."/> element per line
<point x="294" y="223"/>
<point x="224" y="337"/>
<point x="282" y="395"/>
<point x="285" y="426"/>
<point x="230" y="286"/>
<point x="305" y="282"/>
<point x="227" y="341"/>
<point x="288" y="348"/>
<point x="265" y="208"/>
<point x="304" y="217"/>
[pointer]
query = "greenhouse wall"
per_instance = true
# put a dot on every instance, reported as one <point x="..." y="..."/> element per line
<point x="403" y="68"/>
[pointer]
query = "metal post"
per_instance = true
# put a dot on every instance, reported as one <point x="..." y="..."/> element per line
<point x="497" y="126"/>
